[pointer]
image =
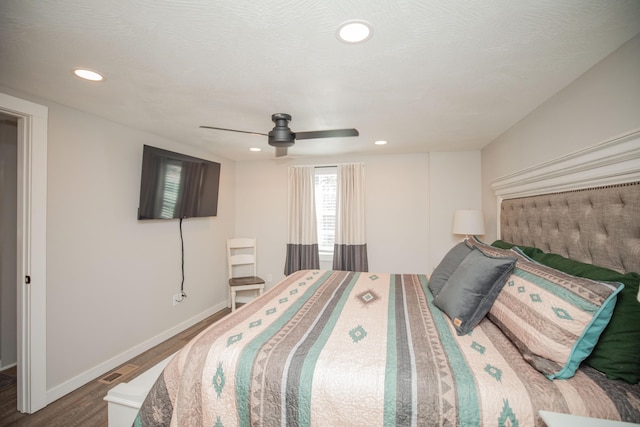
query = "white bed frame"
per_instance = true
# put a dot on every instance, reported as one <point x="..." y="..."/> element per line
<point x="125" y="399"/>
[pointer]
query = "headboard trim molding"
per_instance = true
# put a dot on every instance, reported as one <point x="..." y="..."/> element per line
<point x="616" y="161"/>
<point x="612" y="162"/>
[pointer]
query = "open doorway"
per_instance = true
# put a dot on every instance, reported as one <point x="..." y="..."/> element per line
<point x="30" y="249"/>
<point x="8" y="246"/>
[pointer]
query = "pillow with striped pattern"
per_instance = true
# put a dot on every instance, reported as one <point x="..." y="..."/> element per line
<point x="553" y="318"/>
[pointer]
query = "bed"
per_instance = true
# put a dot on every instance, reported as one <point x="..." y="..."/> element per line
<point x="343" y="348"/>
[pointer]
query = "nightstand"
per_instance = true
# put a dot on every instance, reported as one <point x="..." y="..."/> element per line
<point x="556" y="419"/>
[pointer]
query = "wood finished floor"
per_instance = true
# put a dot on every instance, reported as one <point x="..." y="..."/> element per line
<point x="86" y="406"/>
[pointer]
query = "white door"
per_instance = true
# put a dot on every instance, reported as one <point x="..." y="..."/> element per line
<point x="31" y="250"/>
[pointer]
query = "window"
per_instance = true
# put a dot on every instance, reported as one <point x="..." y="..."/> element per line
<point x="325" y="193"/>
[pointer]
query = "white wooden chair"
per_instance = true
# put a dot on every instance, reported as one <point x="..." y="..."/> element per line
<point x="241" y="256"/>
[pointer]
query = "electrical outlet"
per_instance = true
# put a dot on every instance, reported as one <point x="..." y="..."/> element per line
<point x="177" y="299"/>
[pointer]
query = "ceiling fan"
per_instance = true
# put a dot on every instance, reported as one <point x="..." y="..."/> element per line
<point x="282" y="137"/>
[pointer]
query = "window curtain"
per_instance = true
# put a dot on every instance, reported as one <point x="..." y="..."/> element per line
<point x="350" y="250"/>
<point x="302" y="235"/>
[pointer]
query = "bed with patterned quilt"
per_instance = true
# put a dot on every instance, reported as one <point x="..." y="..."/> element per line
<point x="336" y="348"/>
<point x="545" y="319"/>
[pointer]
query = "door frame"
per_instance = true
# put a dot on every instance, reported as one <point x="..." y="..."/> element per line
<point x="31" y="250"/>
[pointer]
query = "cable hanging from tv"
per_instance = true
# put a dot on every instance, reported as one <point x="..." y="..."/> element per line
<point x="177" y="186"/>
<point x="183" y="295"/>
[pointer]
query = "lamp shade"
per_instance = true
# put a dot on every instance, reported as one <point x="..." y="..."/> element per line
<point x="469" y="222"/>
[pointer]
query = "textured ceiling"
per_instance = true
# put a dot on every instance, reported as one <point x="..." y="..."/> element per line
<point x="436" y="75"/>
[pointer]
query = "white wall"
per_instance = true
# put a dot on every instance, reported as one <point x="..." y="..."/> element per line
<point x="396" y="203"/>
<point x="454" y="184"/>
<point x="110" y="277"/>
<point x="408" y="199"/>
<point x="601" y="104"/>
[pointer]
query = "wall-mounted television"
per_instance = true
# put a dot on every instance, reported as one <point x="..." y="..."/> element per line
<point x="175" y="185"/>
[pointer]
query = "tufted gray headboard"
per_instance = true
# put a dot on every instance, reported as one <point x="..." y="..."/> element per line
<point x="599" y="225"/>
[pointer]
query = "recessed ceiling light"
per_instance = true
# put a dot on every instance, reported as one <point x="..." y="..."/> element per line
<point x="255" y="149"/>
<point x="380" y="142"/>
<point x="354" y="31"/>
<point x="88" y="74"/>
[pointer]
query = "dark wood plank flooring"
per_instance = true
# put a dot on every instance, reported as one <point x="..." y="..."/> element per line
<point x="86" y="406"/>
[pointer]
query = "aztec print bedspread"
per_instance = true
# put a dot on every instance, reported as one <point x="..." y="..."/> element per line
<point x="334" y="348"/>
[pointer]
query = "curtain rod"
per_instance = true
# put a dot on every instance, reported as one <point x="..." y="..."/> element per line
<point x="326" y="166"/>
<point x="338" y="164"/>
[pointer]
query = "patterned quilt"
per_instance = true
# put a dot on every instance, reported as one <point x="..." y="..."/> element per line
<point x="334" y="348"/>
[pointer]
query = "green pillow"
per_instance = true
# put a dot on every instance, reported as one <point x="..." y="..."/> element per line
<point x="501" y="244"/>
<point x="529" y="251"/>
<point x="617" y="353"/>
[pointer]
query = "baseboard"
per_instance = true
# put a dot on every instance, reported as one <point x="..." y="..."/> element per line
<point x="10" y="365"/>
<point x="72" y="384"/>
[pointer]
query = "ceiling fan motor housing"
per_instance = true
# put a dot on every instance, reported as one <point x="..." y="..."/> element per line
<point x="281" y="135"/>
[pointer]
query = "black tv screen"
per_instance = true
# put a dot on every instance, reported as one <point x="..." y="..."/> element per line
<point x="175" y="185"/>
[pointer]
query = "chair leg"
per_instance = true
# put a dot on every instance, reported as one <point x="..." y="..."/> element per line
<point x="233" y="300"/>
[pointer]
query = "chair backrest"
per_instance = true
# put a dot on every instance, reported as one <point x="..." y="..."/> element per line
<point x="241" y="251"/>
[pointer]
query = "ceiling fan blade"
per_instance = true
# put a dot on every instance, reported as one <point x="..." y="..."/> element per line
<point x="281" y="151"/>
<point x="335" y="133"/>
<point x="234" y="130"/>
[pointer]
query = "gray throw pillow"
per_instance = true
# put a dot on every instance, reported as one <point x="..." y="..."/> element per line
<point x="472" y="289"/>
<point x="447" y="266"/>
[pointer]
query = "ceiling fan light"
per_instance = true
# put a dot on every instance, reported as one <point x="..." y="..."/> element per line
<point x="88" y="74"/>
<point x="354" y="31"/>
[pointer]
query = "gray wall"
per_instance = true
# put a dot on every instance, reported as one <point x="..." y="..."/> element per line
<point x="8" y="229"/>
